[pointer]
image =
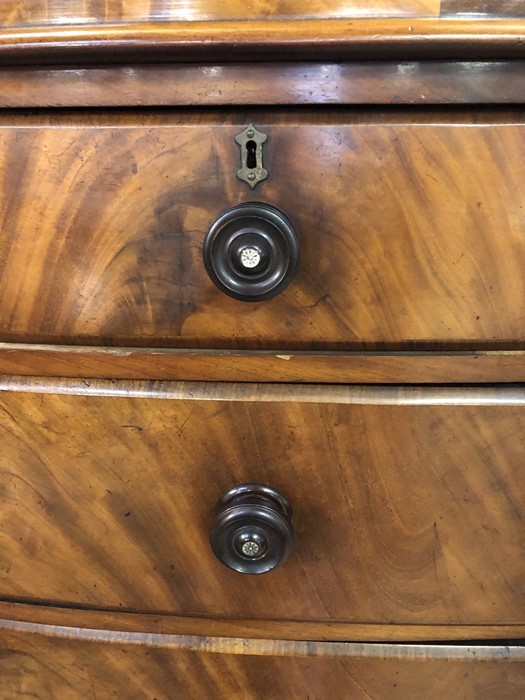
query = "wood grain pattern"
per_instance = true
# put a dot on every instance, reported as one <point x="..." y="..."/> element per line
<point x="371" y="82"/>
<point x="107" y="502"/>
<point x="49" y="668"/>
<point x="148" y="626"/>
<point x="277" y="647"/>
<point x="273" y="39"/>
<point x="408" y="501"/>
<point x="271" y="393"/>
<point x="103" y="220"/>
<point x="260" y="366"/>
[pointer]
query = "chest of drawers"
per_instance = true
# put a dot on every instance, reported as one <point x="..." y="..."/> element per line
<point x="277" y="250"/>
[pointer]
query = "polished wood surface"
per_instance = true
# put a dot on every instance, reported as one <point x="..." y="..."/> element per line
<point x="406" y="580"/>
<point x="272" y="39"/>
<point x="67" y="12"/>
<point x="141" y="627"/>
<point x="365" y="82"/>
<point x="48" y="668"/>
<point x="513" y="651"/>
<point x="271" y="392"/>
<point x="57" y="12"/>
<point x="487" y="8"/>
<point x="402" y="244"/>
<point x="108" y="500"/>
<point x="260" y="366"/>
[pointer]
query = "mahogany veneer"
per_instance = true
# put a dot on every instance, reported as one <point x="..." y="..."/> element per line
<point x="111" y="503"/>
<point x="406" y="577"/>
<point x="410" y="229"/>
<point x="47" y="667"/>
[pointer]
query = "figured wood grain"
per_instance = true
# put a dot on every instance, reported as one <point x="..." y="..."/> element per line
<point x="47" y="668"/>
<point x="147" y="626"/>
<point x="277" y="647"/>
<point x="272" y="39"/>
<point x="270" y="393"/>
<point x="411" y="229"/>
<point x="262" y="366"/>
<point x="108" y="501"/>
<point x="69" y="462"/>
<point x="365" y="82"/>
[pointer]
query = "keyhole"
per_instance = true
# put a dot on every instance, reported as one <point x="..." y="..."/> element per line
<point x="251" y="158"/>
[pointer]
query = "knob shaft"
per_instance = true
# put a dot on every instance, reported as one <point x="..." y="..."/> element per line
<point x="251" y="252"/>
<point x="253" y="531"/>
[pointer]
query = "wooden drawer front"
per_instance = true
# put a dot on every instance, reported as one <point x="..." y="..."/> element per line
<point x="404" y="513"/>
<point x="411" y="229"/>
<point x="79" y="663"/>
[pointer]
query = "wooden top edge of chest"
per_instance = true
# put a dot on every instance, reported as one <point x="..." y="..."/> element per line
<point x="227" y="40"/>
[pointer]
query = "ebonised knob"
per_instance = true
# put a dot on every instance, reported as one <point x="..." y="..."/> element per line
<point x="253" y="531"/>
<point x="251" y="252"/>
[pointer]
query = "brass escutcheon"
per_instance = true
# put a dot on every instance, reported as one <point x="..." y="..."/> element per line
<point x="251" y="142"/>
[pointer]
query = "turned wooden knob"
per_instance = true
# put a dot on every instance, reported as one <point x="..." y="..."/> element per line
<point x="251" y="252"/>
<point x="253" y="531"/>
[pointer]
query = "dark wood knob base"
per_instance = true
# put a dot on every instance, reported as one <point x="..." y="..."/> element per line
<point x="253" y="531"/>
<point x="251" y="252"/>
